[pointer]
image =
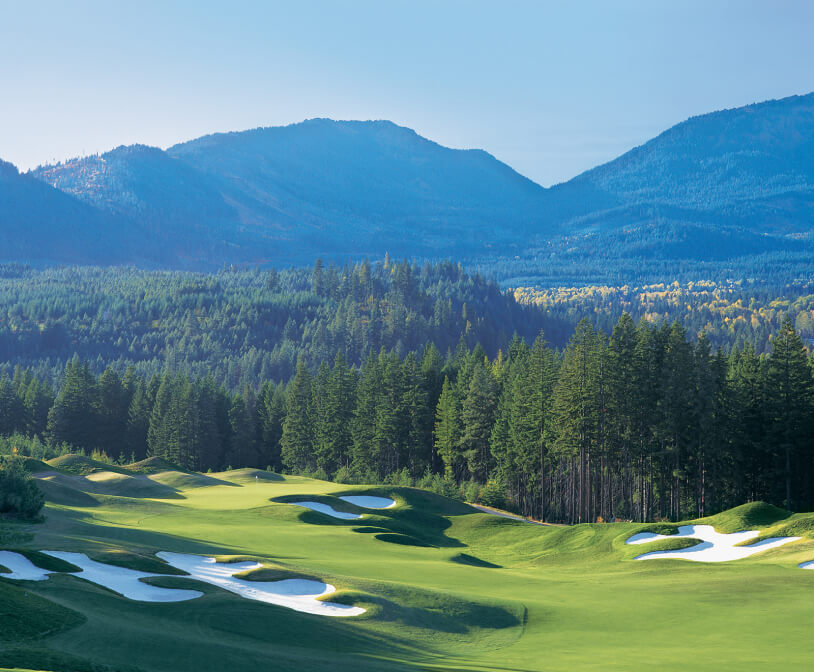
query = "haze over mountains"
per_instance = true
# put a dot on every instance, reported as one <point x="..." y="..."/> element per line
<point x="725" y="185"/>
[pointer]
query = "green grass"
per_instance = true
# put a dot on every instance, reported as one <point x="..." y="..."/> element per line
<point x="445" y="587"/>
<point x="24" y="615"/>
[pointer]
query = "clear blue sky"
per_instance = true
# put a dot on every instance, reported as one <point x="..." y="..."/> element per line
<point x="551" y="88"/>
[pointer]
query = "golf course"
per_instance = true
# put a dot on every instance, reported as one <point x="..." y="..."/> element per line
<point x="416" y="581"/>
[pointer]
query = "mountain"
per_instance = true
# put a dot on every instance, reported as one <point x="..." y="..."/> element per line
<point x="318" y="187"/>
<point x="177" y="214"/>
<point x="40" y="223"/>
<point x="751" y="166"/>
<point x="722" y="187"/>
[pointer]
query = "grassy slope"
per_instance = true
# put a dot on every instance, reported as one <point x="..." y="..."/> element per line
<point x="444" y="587"/>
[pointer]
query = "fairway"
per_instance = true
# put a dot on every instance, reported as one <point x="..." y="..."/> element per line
<point x="442" y="585"/>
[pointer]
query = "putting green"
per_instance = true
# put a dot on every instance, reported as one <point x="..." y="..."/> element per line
<point x="443" y="585"/>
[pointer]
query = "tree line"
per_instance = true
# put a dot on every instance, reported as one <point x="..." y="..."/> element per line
<point x="643" y="424"/>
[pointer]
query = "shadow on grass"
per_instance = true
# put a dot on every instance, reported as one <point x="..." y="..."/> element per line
<point x="472" y="561"/>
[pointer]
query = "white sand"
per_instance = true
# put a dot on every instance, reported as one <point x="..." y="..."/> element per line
<point x="368" y="502"/>
<point x="297" y="594"/>
<point x="124" y="581"/>
<point x="327" y="510"/>
<point x="21" y="568"/>
<point x="803" y="565"/>
<point x="713" y="547"/>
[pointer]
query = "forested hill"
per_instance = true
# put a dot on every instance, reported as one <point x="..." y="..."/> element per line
<point x="752" y="165"/>
<point x="243" y="327"/>
<point x="723" y="195"/>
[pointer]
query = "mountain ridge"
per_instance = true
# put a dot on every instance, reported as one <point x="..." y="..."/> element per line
<point x="286" y="194"/>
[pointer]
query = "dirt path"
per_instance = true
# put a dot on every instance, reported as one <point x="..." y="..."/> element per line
<point x="504" y="514"/>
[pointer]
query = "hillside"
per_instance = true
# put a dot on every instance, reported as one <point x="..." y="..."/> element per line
<point x="38" y="222"/>
<point x="753" y="165"/>
<point x="733" y="190"/>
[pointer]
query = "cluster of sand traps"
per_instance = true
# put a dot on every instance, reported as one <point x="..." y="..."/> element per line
<point x="21" y="567"/>
<point x="714" y="546"/>
<point x="328" y="510"/>
<point x="368" y="502"/>
<point x="121" y="580"/>
<point x="298" y="594"/>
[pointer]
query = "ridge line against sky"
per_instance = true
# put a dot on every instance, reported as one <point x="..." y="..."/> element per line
<point x="551" y="89"/>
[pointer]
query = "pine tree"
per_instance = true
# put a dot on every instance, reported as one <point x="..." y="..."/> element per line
<point x="448" y="431"/>
<point x="576" y="409"/>
<point x="478" y="411"/>
<point x="160" y="428"/>
<point x="273" y="402"/>
<point x="38" y="399"/>
<point x="242" y="449"/>
<point x="297" y="442"/>
<point x="789" y="391"/>
<point x="364" y="454"/>
<point x="112" y="413"/>
<point x="138" y="422"/>
<point x="72" y="419"/>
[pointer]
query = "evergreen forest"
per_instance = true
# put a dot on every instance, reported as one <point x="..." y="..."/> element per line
<point x="390" y="373"/>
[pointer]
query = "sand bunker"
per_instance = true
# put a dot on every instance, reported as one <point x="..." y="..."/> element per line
<point x="21" y="567"/>
<point x="121" y="580"/>
<point x="298" y="594"/>
<point x="327" y="510"/>
<point x="368" y="502"/>
<point x="802" y="565"/>
<point x="713" y="547"/>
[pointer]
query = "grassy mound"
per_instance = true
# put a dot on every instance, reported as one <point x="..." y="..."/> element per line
<point x="751" y="516"/>
<point x="64" y="494"/>
<point x="182" y="480"/>
<point x="33" y="465"/>
<point x="248" y="475"/>
<point x="418" y="519"/>
<point x="80" y="465"/>
<point x="25" y="615"/>
<point x="105" y="482"/>
<point x="154" y="465"/>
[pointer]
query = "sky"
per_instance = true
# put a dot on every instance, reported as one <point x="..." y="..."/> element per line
<point x="551" y="88"/>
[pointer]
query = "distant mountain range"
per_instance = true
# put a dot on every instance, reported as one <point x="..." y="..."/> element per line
<point x="725" y="185"/>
